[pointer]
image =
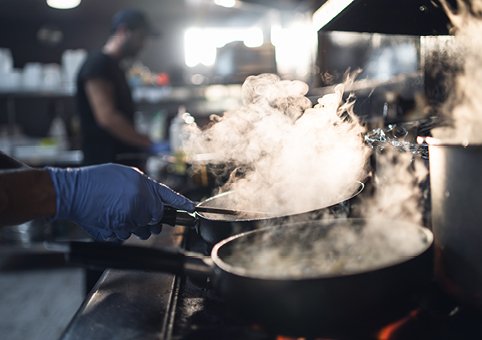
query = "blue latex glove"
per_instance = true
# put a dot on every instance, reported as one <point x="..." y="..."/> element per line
<point x="111" y="202"/>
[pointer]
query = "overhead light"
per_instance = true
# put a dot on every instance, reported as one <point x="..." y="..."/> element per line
<point x="225" y="3"/>
<point x="328" y="11"/>
<point x="201" y="44"/>
<point x="63" y="4"/>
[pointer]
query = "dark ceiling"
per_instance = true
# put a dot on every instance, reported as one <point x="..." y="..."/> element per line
<point x="159" y="10"/>
<point x="87" y="25"/>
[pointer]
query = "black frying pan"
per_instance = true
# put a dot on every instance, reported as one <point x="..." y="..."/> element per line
<point x="320" y="305"/>
<point x="213" y="231"/>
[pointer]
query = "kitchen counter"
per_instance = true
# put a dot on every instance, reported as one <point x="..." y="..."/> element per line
<point x="129" y="304"/>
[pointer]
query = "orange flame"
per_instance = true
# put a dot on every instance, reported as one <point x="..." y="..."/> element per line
<point x="281" y="337"/>
<point x="386" y="332"/>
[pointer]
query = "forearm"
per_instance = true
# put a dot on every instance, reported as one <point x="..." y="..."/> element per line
<point x="7" y="162"/>
<point x="26" y="194"/>
<point x="121" y="128"/>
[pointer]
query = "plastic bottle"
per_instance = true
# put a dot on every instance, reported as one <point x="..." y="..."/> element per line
<point x="156" y="130"/>
<point x="176" y="136"/>
<point x="175" y="130"/>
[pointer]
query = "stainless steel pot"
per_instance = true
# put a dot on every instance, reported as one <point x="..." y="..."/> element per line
<point x="456" y="189"/>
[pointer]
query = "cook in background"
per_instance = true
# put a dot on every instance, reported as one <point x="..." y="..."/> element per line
<point x="104" y="98"/>
<point x="109" y="201"/>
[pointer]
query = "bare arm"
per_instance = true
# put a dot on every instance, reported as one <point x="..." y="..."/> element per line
<point x="7" y="162"/>
<point x="26" y="194"/>
<point x="101" y="97"/>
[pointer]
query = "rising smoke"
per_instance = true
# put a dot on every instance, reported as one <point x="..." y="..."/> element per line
<point x="464" y="106"/>
<point x="398" y="192"/>
<point x="293" y="157"/>
<point x="326" y="248"/>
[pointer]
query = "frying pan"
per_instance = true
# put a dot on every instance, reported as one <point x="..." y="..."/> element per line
<point x="213" y="230"/>
<point x="312" y="305"/>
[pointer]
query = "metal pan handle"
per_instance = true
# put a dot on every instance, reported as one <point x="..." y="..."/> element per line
<point x="108" y="255"/>
<point x="173" y="217"/>
<point x="99" y="255"/>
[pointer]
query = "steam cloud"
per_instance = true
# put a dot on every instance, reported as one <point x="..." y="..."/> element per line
<point x="397" y="193"/>
<point x="464" y="107"/>
<point x="327" y="248"/>
<point x="293" y="157"/>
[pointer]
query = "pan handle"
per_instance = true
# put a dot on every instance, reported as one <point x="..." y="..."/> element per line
<point x="173" y="217"/>
<point x="99" y="255"/>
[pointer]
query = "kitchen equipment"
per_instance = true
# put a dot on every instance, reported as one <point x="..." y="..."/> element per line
<point x="32" y="76"/>
<point x="6" y="61"/>
<point x="410" y="17"/>
<point x="26" y="233"/>
<point x="221" y="211"/>
<point x="311" y="305"/>
<point x="52" y="76"/>
<point x="213" y="230"/>
<point x="456" y="184"/>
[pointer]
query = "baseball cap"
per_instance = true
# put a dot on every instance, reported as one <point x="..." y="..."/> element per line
<point x="134" y="18"/>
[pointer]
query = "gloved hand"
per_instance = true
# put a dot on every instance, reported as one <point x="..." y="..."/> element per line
<point x="112" y="201"/>
<point x="159" y="147"/>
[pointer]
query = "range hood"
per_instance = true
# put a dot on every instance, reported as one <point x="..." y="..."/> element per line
<point x="406" y="17"/>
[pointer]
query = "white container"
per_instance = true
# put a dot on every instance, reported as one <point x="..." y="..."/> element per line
<point x="11" y="81"/>
<point x="6" y="60"/>
<point x="52" y="78"/>
<point x="72" y="60"/>
<point x="32" y="76"/>
<point x="175" y="131"/>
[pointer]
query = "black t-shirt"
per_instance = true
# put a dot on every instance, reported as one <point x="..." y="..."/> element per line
<point x="99" y="145"/>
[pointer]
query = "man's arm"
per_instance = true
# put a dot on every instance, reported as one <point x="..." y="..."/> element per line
<point x="101" y="97"/>
<point x="26" y="194"/>
<point x="89" y="196"/>
<point x="7" y="162"/>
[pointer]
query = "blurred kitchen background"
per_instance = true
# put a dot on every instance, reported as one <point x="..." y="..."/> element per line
<point x="205" y="51"/>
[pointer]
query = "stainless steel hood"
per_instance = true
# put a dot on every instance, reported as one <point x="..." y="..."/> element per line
<point x="407" y="17"/>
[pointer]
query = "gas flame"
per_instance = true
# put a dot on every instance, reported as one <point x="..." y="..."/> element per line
<point x="388" y="331"/>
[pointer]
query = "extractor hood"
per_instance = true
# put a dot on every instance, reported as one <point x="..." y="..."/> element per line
<point x="407" y="17"/>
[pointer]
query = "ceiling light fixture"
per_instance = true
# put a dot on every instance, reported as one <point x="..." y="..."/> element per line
<point x="328" y="11"/>
<point x="225" y="3"/>
<point x="63" y="4"/>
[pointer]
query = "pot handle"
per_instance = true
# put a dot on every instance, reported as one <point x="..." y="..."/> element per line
<point x="173" y="217"/>
<point x="99" y="255"/>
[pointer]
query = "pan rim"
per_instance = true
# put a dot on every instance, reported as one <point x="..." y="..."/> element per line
<point x="361" y="187"/>
<point x="437" y="142"/>
<point x="242" y="272"/>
